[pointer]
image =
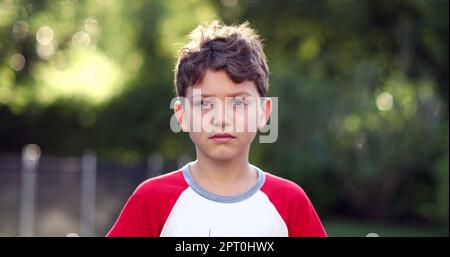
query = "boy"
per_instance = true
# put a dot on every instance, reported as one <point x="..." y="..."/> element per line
<point x="221" y="193"/>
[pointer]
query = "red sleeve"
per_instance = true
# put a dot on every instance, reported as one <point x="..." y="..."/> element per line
<point x="294" y="207"/>
<point x="303" y="219"/>
<point x="146" y="211"/>
<point x="133" y="220"/>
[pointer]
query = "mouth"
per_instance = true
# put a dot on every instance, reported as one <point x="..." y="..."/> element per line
<point x="222" y="137"/>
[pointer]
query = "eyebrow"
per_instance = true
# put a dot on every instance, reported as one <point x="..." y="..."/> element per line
<point x="231" y="95"/>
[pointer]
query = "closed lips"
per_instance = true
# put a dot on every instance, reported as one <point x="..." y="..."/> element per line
<point x="225" y="135"/>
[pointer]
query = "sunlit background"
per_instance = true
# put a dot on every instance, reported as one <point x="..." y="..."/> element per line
<point x="85" y="88"/>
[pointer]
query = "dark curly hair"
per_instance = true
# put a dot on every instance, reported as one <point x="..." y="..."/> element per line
<point x="237" y="50"/>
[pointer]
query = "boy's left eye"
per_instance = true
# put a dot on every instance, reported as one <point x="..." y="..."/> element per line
<point x="239" y="102"/>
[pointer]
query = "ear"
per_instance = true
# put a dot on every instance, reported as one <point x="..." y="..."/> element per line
<point x="266" y="110"/>
<point x="180" y="114"/>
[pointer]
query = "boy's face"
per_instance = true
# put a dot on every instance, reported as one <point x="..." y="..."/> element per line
<point x="222" y="117"/>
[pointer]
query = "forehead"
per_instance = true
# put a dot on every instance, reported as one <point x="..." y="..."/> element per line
<point x="219" y="84"/>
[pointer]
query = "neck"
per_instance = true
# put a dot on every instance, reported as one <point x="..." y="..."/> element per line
<point x="224" y="176"/>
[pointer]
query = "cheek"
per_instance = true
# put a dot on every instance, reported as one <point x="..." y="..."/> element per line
<point x="200" y="120"/>
<point x="246" y="137"/>
<point x="246" y="119"/>
<point x="196" y="137"/>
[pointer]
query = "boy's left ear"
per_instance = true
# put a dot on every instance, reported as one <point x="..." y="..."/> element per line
<point x="266" y="110"/>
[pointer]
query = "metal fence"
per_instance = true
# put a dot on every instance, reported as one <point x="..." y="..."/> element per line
<point x="55" y="196"/>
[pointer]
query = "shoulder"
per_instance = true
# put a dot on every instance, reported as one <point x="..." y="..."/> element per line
<point x="278" y="187"/>
<point x="149" y="206"/>
<point x="165" y="185"/>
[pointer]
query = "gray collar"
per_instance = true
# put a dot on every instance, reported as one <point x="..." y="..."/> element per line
<point x="221" y="198"/>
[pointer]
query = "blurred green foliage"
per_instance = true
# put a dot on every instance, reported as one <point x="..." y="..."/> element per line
<point x="362" y="87"/>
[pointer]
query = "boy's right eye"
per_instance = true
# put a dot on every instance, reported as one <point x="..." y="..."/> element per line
<point x="205" y="104"/>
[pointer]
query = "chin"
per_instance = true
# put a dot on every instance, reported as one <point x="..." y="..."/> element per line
<point x="222" y="154"/>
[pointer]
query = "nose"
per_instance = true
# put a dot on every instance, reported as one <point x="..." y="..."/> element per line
<point x="223" y="115"/>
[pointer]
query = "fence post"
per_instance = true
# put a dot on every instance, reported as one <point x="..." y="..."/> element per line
<point x="88" y="192"/>
<point x="28" y="188"/>
<point x="155" y="163"/>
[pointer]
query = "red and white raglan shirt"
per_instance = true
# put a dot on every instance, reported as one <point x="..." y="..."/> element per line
<point x="174" y="205"/>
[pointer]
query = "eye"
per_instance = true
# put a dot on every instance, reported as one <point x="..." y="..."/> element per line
<point x="205" y="104"/>
<point x="239" y="102"/>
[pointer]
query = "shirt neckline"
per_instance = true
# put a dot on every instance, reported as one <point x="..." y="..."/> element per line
<point x="222" y="198"/>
